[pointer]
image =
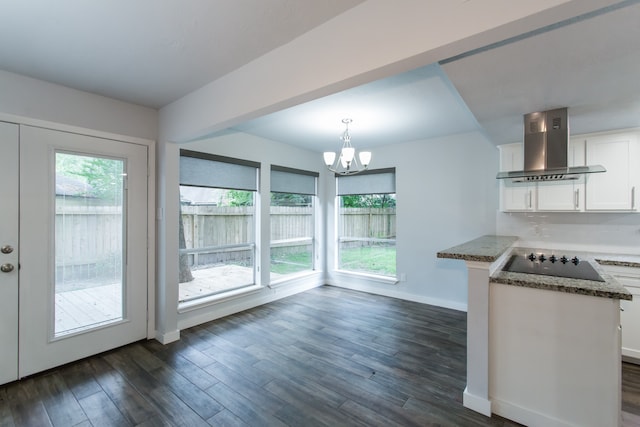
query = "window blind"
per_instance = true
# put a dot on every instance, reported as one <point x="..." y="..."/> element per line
<point x="295" y="181"/>
<point x="208" y="170"/>
<point x="378" y="181"/>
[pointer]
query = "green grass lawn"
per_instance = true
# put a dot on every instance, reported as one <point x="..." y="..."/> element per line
<point x="291" y="263"/>
<point x="371" y="259"/>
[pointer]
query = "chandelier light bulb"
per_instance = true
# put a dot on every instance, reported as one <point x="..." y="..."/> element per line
<point x="329" y="157"/>
<point x="348" y="154"/>
<point x="365" y="158"/>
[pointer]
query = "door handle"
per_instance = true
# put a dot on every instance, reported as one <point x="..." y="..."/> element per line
<point x="6" y="268"/>
<point x="6" y="249"/>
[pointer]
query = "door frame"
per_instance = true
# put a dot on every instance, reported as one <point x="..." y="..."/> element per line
<point x="151" y="196"/>
<point x="9" y="235"/>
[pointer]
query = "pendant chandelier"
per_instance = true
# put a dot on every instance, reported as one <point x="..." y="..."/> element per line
<point x="347" y="163"/>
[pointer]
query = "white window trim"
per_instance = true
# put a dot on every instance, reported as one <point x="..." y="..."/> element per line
<point x="386" y="280"/>
<point x="210" y="300"/>
<point x="293" y="277"/>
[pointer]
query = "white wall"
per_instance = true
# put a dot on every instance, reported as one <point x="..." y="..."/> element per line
<point x="446" y="194"/>
<point x="599" y="232"/>
<point x="26" y="97"/>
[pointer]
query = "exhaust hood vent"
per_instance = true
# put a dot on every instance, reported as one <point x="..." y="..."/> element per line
<point x="546" y="148"/>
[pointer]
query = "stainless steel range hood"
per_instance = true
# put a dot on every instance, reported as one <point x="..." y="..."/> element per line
<point x="546" y="147"/>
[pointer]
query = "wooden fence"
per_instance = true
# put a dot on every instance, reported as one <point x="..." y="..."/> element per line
<point x="89" y="238"/>
<point x="368" y="222"/>
<point x="88" y="243"/>
<point x="217" y="226"/>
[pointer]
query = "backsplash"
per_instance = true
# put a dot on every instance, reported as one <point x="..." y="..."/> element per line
<point x="595" y="232"/>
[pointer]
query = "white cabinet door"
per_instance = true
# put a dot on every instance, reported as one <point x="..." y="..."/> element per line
<point x="630" y="310"/>
<point x="565" y="195"/>
<point x="630" y="321"/>
<point x="615" y="189"/>
<point x="515" y="196"/>
<point x="9" y="254"/>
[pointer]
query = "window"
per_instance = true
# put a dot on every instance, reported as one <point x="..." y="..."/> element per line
<point x="89" y="246"/>
<point x="367" y="223"/>
<point x="293" y="194"/>
<point x="217" y="224"/>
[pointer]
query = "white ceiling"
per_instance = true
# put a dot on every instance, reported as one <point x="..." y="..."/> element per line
<point x="148" y="52"/>
<point x="406" y="107"/>
<point x="142" y="53"/>
<point x="591" y="66"/>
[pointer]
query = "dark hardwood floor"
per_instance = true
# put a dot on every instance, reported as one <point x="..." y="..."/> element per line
<point x="324" y="357"/>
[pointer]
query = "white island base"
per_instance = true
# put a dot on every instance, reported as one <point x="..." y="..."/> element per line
<point x="542" y="351"/>
<point x="554" y="357"/>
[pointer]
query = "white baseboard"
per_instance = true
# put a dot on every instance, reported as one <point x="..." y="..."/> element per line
<point x="392" y="291"/>
<point x="526" y="416"/>
<point x="631" y="355"/>
<point x="476" y="403"/>
<point x="168" y="337"/>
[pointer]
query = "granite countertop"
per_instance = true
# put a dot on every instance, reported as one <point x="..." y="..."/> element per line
<point x="610" y="288"/>
<point x="483" y="249"/>
<point x="618" y="260"/>
<point x="490" y="248"/>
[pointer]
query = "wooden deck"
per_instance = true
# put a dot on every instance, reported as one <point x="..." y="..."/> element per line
<point x="214" y="280"/>
<point x="208" y="281"/>
<point x="84" y="309"/>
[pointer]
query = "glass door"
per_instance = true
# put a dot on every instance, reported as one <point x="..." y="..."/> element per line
<point x="83" y="233"/>
<point x="89" y="236"/>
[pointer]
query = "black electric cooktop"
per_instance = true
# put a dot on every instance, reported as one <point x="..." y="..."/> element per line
<point x="552" y="265"/>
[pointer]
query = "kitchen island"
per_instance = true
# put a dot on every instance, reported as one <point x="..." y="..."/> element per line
<point x="541" y="350"/>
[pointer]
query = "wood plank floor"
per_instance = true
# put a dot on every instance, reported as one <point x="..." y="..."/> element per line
<point x="324" y="357"/>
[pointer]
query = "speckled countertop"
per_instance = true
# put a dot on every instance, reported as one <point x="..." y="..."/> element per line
<point x="490" y="248"/>
<point x="483" y="249"/>
<point x="610" y="288"/>
<point x="618" y="260"/>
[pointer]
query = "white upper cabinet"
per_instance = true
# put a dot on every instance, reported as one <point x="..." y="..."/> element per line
<point x="615" y="189"/>
<point x="612" y="191"/>
<point x="567" y="195"/>
<point x="514" y="196"/>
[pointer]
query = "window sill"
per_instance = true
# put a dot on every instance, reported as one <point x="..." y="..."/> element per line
<point x="293" y="278"/>
<point x="196" y="304"/>
<point x="385" y="280"/>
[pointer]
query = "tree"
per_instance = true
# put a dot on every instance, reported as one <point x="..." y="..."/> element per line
<point x="369" y="201"/>
<point x="240" y="198"/>
<point x="104" y="176"/>
<point x="290" y="199"/>
<point x="185" y="274"/>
